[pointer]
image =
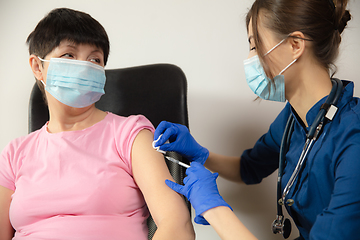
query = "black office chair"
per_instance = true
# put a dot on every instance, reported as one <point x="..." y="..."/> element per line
<point x="157" y="91"/>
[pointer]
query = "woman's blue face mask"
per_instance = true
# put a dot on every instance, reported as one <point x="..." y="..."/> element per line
<point x="75" y="83"/>
<point x="260" y="84"/>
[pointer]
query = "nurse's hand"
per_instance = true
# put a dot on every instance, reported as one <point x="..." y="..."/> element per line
<point x="201" y="190"/>
<point x="180" y="140"/>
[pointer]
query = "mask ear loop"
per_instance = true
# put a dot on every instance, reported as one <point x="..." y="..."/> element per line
<point x="275" y="46"/>
<point x="43" y="83"/>
<point x="43" y="60"/>
<point x="288" y="66"/>
<point x="292" y="61"/>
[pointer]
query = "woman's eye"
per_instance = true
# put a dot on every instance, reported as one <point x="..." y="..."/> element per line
<point x="67" y="55"/>
<point x="95" y="60"/>
<point x="253" y="48"/>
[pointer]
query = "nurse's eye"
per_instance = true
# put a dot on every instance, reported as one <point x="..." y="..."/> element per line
<point x="253" y="48"/>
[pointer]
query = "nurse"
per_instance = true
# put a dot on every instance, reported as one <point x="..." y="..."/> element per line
<point x="293" y="46"/>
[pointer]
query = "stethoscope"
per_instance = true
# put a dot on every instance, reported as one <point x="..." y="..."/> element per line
<point x="327" y="112"/>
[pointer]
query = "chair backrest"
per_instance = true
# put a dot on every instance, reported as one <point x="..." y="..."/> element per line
<point x="158" y="91"/>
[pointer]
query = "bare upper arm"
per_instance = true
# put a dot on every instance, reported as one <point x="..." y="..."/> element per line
<point x="6" y="230"/>
<point x="150" y="172"/>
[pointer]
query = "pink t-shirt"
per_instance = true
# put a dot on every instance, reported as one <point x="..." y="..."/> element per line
<point x="77" y="184"/>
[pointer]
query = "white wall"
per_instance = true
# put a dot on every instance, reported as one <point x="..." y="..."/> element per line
<point x="207" y="39"/>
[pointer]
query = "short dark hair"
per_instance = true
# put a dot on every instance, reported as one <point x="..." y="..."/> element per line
<point x="321" y="21"/>
<point x="67" y="24"/>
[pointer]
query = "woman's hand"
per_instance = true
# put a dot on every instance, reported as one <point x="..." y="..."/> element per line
<point x="201" y="190"/>
<point x="180" y="140"/>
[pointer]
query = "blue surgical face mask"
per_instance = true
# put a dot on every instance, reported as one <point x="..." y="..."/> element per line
<point x="260" y="84"/>
<point x="75" y="83"/>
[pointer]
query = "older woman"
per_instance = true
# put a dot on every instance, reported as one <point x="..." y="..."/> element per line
<point x="86" y="174"/>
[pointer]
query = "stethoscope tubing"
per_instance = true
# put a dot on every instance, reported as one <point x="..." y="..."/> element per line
<point x="283" y="149"/>
<point x="311" y="137"/>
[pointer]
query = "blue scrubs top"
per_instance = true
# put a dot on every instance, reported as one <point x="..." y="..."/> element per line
<point x="327" y="189"/>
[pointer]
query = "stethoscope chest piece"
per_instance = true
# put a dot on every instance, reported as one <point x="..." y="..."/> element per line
<point x="282" y="226"/>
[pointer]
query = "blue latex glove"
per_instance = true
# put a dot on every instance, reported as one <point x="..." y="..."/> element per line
<point x="201" y="190"/>
<point x="180" y="140"/>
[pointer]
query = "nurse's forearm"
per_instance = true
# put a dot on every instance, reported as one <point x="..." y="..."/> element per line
<point x="227" y="225"/>
<point x="227" y="167"/>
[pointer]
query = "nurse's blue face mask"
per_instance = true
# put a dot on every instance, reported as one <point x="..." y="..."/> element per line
<point x="75" y="83"/>
<point x="260" y="84"/>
